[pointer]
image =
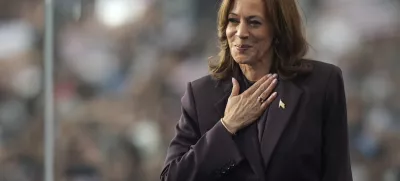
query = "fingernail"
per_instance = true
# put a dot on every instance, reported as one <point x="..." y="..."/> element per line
<point x="233" y="79"/>
<point x="275" y="81"/>
<point x="275" y="75"/>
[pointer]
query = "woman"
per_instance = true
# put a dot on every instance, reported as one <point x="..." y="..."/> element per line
<point x="281" y="118"/>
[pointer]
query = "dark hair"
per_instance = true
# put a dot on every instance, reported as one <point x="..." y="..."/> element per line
<point x="289" y="45"/>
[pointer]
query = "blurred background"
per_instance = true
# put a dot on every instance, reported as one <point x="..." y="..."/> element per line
<point x="121" y="67"/>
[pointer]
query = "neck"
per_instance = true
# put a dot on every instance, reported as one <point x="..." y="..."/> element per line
<point x="256" y="71"/>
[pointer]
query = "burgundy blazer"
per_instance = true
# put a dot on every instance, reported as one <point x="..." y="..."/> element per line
<point x="305" y="141"/>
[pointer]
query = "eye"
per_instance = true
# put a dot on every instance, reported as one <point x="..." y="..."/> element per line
<point x="233" y="20"/>
<point x="255" y="23"/>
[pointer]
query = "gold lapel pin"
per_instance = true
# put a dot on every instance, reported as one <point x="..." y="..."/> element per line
<point x="281" y="104"/>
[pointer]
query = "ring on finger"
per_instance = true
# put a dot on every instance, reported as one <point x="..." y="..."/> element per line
<point x="260" y="99"/>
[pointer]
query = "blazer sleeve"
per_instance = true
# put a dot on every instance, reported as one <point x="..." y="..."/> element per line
<point x="192" y="156"/>
<point x="336" y="159"/>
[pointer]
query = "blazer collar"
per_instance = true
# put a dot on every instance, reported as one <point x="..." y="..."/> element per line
<point x="277" y="119"/>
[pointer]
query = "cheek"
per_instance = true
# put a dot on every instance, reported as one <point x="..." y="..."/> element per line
<point x="267" y="42"/>
<point x="230" y="32"/>
<point x="264" y="38"/>
<point x="265" y="46"/>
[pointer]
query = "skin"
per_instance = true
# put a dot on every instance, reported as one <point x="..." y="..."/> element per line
<point x="250" y="38"/>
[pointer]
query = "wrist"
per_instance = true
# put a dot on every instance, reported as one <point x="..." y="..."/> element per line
<point x="230" y="130"/>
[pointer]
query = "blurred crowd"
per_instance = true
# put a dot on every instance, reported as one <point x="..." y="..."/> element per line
<point x="121" y="67"/>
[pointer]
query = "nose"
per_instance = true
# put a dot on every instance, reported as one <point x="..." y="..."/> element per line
<point x="242" y="31"/>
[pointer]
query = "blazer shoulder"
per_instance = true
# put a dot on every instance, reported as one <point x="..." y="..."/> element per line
<point x="322" y="77"/>
<point x="207" y="85"/>
<point x="205" y="81"/>
<point x="323" y="70"/>
<point x="207" y="90"/>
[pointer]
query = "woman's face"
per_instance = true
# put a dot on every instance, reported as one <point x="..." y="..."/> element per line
<point x="248" y="31"/>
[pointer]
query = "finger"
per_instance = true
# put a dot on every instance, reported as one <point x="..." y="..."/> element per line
<point x="271" y="98"/>
<point x="268" y="90"/>
<point x="235" y="87"/>
<point x="256" y="85"/>
<point x="265" y="85"/>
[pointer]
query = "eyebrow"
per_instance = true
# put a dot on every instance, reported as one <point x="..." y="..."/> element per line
<point x="249" y="17"/>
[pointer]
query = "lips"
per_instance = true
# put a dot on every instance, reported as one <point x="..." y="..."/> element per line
<point x="242" y="47"/>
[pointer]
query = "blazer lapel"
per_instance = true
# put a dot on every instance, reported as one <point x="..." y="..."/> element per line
<point x="279" y="114"/>
<point x="246" y="139"/>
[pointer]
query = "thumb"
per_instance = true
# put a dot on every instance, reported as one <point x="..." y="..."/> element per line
<point x="235" y="88"/>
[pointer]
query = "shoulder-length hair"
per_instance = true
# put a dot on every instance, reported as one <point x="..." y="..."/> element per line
<point x="289" y="45"/>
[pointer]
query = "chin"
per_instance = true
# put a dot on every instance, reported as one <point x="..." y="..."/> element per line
<point x="243" y="59"/>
